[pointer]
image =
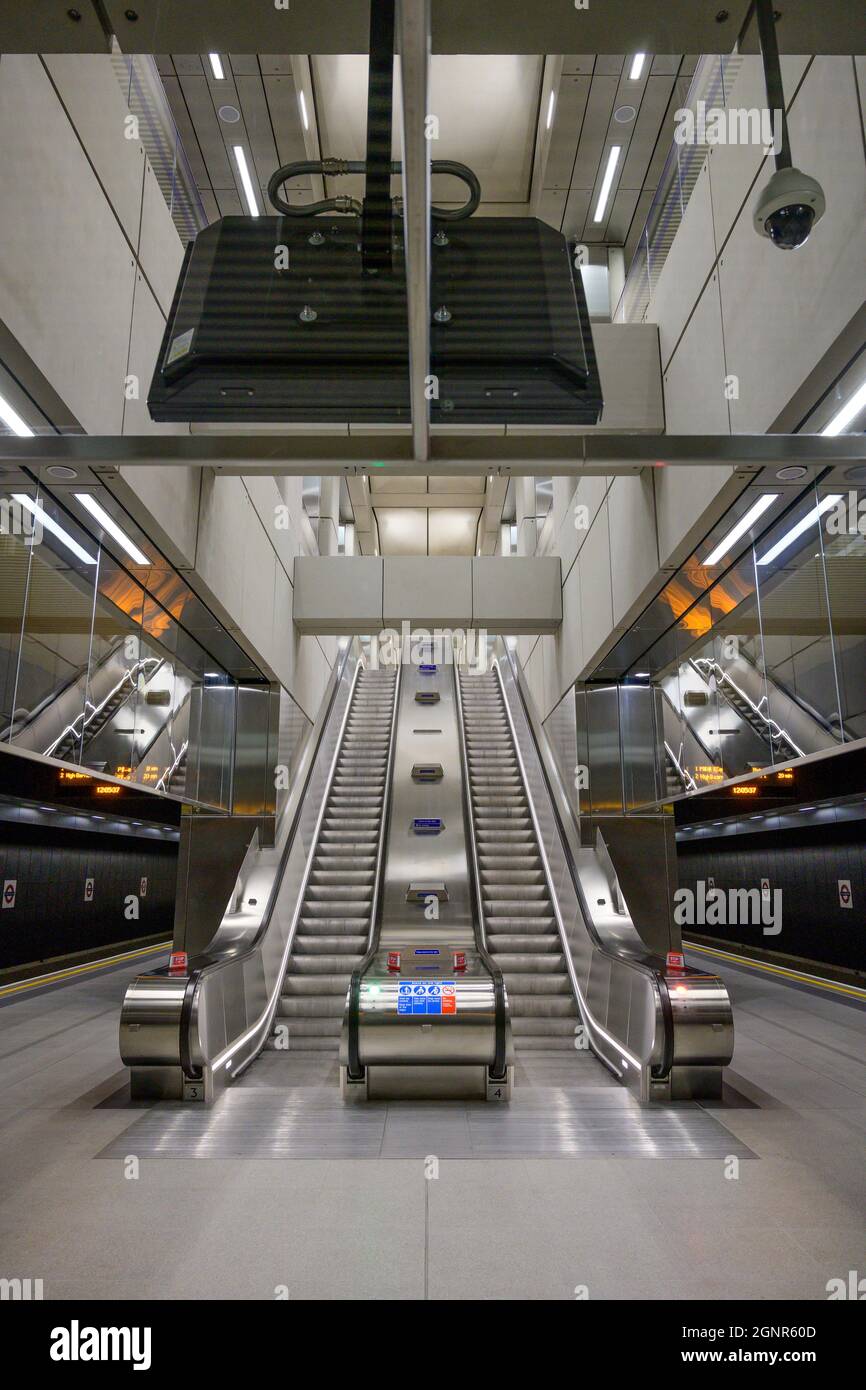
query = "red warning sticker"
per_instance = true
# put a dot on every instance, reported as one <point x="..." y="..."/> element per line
<point x="449" y="999"/>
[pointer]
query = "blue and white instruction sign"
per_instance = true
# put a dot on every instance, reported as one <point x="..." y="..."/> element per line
<point x="426" y="997"/>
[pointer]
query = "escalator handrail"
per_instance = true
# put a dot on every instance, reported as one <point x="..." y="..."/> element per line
<point x="551" y="776"/>
<point x="499" y="1062"/>
<point x="354" y="1069"/>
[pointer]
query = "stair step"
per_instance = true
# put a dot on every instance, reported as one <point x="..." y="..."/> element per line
<point x="333" y="926"/>
<point x="306" y="984"/>
<point x="325" y="964"/>
<point x="528" y="980"/>
<point x="317" y="1006"/>
<point x="330" y="946"/>
<point x="517" y="943"/>
<point x="536" y="1026"/>
<point x="312" y="1027"/>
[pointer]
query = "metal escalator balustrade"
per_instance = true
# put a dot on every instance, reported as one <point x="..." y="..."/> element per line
<point x="339" y="901"/>
<point x="519" y="921"/>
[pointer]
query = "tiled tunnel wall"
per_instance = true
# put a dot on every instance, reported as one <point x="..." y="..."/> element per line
<point x="807" y="865"/>
<point x="51" y="916"/>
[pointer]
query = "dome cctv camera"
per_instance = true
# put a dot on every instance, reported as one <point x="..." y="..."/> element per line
<point x="788" y="207"/>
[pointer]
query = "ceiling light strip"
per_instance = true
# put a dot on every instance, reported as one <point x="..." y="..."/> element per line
<point x="246" y="181"/>
<point x="109" y="525"/>
<point x="825" y="505"/>
<point x="607" y="182"/>
<point x="742" y="526"/>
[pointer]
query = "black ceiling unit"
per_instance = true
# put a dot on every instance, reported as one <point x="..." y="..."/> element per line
<point x="321" y="341"/>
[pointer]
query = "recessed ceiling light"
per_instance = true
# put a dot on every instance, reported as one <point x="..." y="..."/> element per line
<point x="825" y="505"/>
<point x="12" y="420"/>
<point x="624" y="114"/>
<point x="61" y="472"/>
<point x="607" y="181"/>
<point x="550" y="106"/>
<point x="791" y="473"/>
<point x="637" y="63"/>
<point x="230" y="114"/>
<point x="857" y="474"/>
<point x="216" y="66"/>
<point x="842" y="419"/>
<point x="110" y="525"/>
<point x="303" y="106"/>
<point x="246" y="181"/>
<point x="49" y="524"/>
<point x="742" y="526"/>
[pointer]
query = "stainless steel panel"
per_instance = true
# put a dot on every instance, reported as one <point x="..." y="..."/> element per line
<point x="462" y="1038"/>
<point x="637" y="730"/>
<point x="605" y="742"/>
<point x="253" y="776"/>
<point x="430" y="858"/>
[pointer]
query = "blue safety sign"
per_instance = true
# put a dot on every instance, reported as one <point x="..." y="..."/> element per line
<point x="428" y="668"/>
<point x="425" y="997"/>
<point x="427" y="825"/>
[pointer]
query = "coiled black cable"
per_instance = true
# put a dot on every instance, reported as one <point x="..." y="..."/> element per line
<point x="332" y="168"/>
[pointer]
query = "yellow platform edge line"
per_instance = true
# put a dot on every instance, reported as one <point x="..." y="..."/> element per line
<point x="71" y="971"/>
<point x="798" y="975"/>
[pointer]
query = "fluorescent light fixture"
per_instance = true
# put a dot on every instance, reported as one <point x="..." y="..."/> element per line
<point x="216" y="66"/>
<point x="637" y="63"/>
<point x="49" y="524"/>
<point x="109" y="525"/>
<point x="13" y="420"/>
<point x="825" y="505"/>
<point x="550" y="106"/>
<point x="246" y="181"/>
<point x="304" y="116"/>
<point x="607" y="181"/>
<point x="842" y="419"/>
<point x="745" y="522"/>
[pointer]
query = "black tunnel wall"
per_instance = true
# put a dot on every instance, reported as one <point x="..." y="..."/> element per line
<point x="51" y="917"/>
<point x="806" y="864"/>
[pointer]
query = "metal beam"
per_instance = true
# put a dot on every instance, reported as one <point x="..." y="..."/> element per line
<point x="485" y="26"/>
<point x="539" y="454"/>
<point x="414" y="37"/>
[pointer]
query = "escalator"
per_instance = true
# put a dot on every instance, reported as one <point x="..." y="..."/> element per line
<point x="516" y="899"/>
<point x="75" y="740"/>
<point x="335" y="922"/>
<point x="426" y="912"/>
<point x="754" y="713"/>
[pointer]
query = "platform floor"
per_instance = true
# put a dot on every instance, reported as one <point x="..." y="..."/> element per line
<point x="572" y="1185"/>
